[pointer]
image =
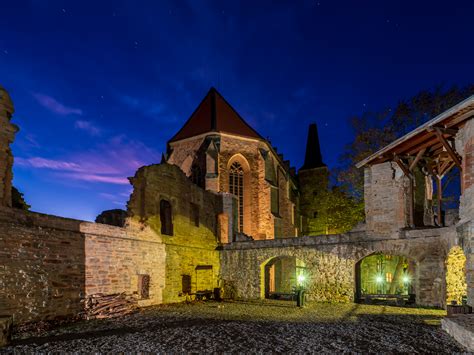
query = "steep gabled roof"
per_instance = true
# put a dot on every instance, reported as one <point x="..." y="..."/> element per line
<point x="215" y="114"/>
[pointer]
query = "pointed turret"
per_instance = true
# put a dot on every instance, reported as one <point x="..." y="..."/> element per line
<point x="313" y="158"/>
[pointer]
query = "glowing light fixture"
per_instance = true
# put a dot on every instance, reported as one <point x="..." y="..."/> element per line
<point x="379" y="279"/>
<point x="406" y="279"/>
<point x="301" y="278"/>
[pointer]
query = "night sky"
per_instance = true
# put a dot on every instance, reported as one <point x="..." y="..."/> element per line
<point x="100" y="87"/>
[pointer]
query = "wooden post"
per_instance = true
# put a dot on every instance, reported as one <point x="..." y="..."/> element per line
<point x="411" y="216"/>
<point x="440" y="196"/>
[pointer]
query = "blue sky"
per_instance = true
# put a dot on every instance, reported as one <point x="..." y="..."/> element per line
<point x="99" y="87"/>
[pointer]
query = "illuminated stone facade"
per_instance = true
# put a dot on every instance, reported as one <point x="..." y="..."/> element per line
<point x="269" y="202"/>
<point x="220" y="209"/>
<point x="191" y="242"/>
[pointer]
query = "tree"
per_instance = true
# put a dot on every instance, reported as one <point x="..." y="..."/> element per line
<point x="337" y="212"/>
<point x="18" y="200"/>
<point x="374" y="130"/>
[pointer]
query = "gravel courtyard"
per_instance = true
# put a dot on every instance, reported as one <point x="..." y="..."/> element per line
<point x="266" y="326"/>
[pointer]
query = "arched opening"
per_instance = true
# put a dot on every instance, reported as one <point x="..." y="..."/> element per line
<point x="383" y="278"/>
<point x="282" y="276"/>
<point x="236" y="187"/>
<point x="239" y="184"/>
<point x="456" y="286"/>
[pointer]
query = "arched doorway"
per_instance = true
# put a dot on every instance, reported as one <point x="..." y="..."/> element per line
<point x="282" y="275"/>
<point x="383" y="277"/>
<point x="456" y="286"/>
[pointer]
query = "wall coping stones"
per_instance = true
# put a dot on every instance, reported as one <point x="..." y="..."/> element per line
<point x="341" y="239"/>
<point x="34" y="219"/>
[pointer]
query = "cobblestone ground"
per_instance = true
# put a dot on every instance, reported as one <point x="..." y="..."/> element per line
<point x="250" y="327"/>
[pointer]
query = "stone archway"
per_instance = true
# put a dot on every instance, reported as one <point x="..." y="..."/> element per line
<point x="281" y="275"/>
<point x="383" y="276"/>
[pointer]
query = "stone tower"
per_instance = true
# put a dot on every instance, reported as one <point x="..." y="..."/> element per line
<point x="313" y="178"/>
<point x="7" y="135"/>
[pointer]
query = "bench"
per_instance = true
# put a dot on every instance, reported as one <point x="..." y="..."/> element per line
<point x="399" y="299"/>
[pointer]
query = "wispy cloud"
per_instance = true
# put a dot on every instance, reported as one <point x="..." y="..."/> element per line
<point x="88" y="126"/>
<point x="55" y="106"/>
<point x="111" y="162"/>
<point x="42" y="163"/>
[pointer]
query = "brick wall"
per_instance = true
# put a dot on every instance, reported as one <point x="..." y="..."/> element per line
<point x="49" y="264"/>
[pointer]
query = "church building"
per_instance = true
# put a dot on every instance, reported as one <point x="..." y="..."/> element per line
<point x="220" y="152"/>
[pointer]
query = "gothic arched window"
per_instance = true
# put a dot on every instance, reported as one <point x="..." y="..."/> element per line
<point x="236" y="187"/>
<point x="166" y="218"/>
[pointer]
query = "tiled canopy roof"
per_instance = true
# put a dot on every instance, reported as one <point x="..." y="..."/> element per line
<point x="215" y="114"/>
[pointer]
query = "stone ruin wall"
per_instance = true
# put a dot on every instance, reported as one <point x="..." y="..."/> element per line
<point x="385" y="197"/>
<point x="49" y="264"/>
<point x="7" y="135"/>
<point x="331" y="260"/>
<point x="465" y="147"/>
<point x="191" y="250"/>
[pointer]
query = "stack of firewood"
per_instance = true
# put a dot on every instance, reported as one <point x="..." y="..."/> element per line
<point x="101" y="306"/>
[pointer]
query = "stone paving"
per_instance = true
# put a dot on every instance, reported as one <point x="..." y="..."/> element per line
<point x="461" y="328"/>
<point x="255" y="327"/>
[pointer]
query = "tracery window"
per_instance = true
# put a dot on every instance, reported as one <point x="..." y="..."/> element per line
<point x="236" y="187"/>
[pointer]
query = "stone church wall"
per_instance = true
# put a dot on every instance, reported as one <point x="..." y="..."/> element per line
<point x="49" y="264"/>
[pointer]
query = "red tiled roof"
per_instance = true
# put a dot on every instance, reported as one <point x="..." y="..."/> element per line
<point x="215" y="114"/>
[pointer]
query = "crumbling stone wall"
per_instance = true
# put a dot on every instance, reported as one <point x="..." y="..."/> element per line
<point x="386" y="198"/>
<point x="191" y="248"/>
<point x="331" y="260"/>
<point x="7" y="135"/>
<point x="49" y="264"/>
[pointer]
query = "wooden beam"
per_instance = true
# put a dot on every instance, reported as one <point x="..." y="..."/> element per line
<point x="446" y="170"/>
<point x="417" y="159"/>
<point x="448" y="148"/>
<point x="460" y="119"/>
<point x="444" y="130"/>
<point x="426" y="144"/>
<point x="402" y="166"/>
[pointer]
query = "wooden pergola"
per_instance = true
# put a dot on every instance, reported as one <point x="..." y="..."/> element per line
<point x="430" y="147"/>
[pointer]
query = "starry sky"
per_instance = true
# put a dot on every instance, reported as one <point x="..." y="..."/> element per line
<point x="99" y="87"/>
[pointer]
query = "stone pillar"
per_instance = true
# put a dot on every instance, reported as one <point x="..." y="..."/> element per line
<point x="386" y="198"/>
<point x="7" y="135"/>
<point x="465" y="147"/>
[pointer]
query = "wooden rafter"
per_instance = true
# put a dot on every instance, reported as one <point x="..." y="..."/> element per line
<point x="419" y="155"/>
<point x="448" y="147"/>
<point x="402" y="165"/>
